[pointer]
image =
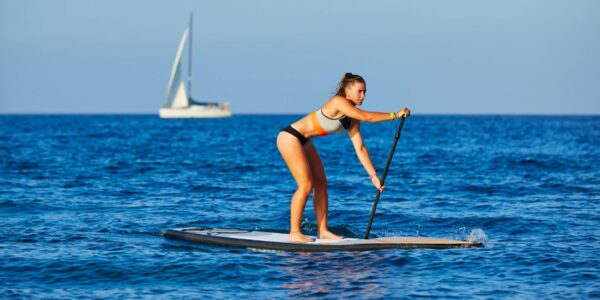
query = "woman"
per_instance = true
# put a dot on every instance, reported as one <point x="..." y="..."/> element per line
<point x="338" y="114"/>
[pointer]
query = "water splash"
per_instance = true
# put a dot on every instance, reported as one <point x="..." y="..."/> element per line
<point x="478" y="236"/>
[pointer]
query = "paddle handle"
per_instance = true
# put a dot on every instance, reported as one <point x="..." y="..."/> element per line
<point x="387" y="167"/>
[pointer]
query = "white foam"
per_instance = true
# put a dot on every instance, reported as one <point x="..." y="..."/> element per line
<point x="477" y="236"/>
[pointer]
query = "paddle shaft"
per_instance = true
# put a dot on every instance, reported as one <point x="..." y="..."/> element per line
<point x="387" y="167"/>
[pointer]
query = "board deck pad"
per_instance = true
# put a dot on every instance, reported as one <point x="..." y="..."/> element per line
<point x="279" y="241"/>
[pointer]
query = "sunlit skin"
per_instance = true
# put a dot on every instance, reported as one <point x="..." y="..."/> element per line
<point x="306" y="166"/>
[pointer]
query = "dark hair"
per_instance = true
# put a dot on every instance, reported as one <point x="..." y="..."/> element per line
<point x="346" y="81"/>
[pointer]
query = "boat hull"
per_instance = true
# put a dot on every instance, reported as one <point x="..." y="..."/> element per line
<point x="194" y="111"/>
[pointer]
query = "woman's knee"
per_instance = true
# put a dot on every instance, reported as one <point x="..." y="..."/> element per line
<point x="320" y="184"/>
<point x="305" y="187"/>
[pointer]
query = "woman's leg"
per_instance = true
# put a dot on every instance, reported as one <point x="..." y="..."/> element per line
<point x="320" y="196"/>
<point x="294" y="156"/>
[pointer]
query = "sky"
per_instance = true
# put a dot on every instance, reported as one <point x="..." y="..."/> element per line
<point x="436" y="57"/>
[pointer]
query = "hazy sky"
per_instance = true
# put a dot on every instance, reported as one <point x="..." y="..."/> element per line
<point x="524" y="57"/>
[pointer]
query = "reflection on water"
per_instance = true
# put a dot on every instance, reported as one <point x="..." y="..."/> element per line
<point x="342" y="273"/>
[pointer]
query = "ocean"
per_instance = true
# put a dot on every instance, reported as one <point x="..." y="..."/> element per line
<point x="84" y="200"/>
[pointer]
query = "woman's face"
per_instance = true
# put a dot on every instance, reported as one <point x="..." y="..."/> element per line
<point x="356" y="92"/>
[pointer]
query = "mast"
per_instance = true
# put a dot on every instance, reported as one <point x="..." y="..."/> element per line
<point x="190" y="56"/>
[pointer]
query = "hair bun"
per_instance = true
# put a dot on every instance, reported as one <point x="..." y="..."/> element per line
<point x="346" y="81"/>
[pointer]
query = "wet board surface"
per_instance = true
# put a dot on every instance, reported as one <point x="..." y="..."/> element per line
<point x="279" y="241"/>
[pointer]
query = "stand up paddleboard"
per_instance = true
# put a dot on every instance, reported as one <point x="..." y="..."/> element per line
<point x="279" y="241"/>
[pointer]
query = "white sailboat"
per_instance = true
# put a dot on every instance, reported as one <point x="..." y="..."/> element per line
<point x="179" y="101"/>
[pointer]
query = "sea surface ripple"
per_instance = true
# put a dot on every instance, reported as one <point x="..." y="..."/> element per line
<point x="84" y="201"/>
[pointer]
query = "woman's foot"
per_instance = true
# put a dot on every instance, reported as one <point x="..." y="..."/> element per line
<point x="328" y="235"/>
<point x="298" y="237"/>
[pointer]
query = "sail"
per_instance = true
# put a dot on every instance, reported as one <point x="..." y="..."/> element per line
<point x="179" y="102"/>
<point x="177" y="96"/>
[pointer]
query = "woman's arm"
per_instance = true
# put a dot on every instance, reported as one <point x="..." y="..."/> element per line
<point x="351" y="111"/>
<point x="363" y="154"/>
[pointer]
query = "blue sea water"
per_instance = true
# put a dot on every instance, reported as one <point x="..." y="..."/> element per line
<point x="84" y="199"/>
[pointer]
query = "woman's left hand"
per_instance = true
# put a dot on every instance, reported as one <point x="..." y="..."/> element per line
<point x="405" y="112"/>
<point x="377" y="183"/>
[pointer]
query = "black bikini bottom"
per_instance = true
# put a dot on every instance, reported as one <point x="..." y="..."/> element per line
<point x="295" y="133"/>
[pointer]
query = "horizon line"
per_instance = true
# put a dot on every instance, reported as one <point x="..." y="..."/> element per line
<point x="288" y="113"/>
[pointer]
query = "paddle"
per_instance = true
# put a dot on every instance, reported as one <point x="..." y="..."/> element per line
<point x="387" y="167"/>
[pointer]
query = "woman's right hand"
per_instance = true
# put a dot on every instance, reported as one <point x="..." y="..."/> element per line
<point x="377" y="183"/>
<point x="405" y="112"/>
